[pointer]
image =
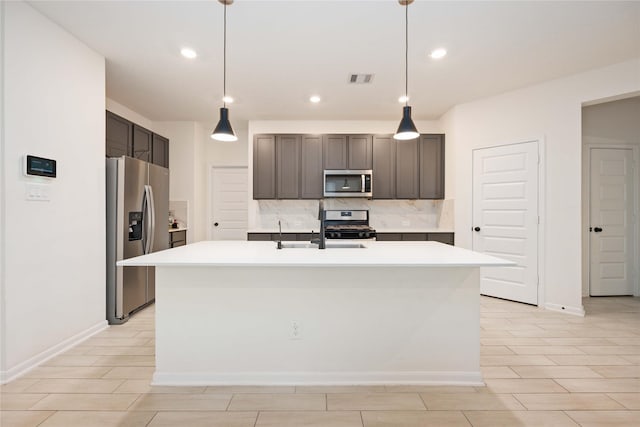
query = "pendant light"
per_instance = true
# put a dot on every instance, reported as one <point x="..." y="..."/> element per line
<point x="406" y="129"/>
<point x="224" y="131"/>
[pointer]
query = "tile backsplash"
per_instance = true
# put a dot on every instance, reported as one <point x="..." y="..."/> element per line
<point x="384" y="214"/>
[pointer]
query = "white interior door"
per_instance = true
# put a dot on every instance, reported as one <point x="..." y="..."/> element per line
<point x="505" y="218"/>
<point x="612" y="226"/>
<point x="229" y="203"/>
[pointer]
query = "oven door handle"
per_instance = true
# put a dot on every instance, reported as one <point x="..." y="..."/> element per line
<point x="362" y="185"/>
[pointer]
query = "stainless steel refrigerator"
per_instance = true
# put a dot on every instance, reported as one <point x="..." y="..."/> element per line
<point x="137" y="212"/>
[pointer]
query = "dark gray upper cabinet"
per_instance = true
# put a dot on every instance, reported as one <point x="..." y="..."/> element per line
<point x="359" y="151"/>
<point x="384" y="167"/>
<point x="407" y="175"/>
<point x="160" y="151"/>
<point x="118" y="136"/>
<point x="288" y="166"/>
<point x="264" y="167"/>
<point x="311" y="173"/>
<point x="142" y="141"/>
<point x="401" y="169"/>
<point x="431" y="152"/>
<point x="347" y="152"/>
<point x="334" y="150"/>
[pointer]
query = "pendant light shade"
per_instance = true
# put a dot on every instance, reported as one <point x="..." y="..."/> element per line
<point x="223" y="130"/>
<point x="407" y="129"/>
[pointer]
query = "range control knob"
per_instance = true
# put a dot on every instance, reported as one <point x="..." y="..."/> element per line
<point x="361" y="234"/>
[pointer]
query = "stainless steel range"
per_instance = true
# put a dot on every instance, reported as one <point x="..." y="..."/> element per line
<point x="348" y="224"/>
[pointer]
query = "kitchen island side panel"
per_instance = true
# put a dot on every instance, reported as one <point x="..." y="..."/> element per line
<point x="357" y="325"/>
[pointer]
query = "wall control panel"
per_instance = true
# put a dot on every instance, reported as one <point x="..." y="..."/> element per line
<point x="39" y="166"/>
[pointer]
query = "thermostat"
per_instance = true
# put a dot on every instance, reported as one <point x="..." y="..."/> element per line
<point x="39" y="166"/>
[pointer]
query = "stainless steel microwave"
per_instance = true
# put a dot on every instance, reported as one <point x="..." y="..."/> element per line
<point x="347" y="183"/>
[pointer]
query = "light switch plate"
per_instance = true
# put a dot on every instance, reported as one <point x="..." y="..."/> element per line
<point x="37" y="192"/>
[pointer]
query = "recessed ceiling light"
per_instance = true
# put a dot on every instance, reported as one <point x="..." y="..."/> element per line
<point x="188" y="53"/>
<point x="438" y="53"/>
<point x="315" y="99"/>
<point x="227" y="99"/>
<point x="403" y="98"/>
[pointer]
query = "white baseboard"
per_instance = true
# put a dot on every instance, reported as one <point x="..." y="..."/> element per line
<point x="29" y="364"/>
<point x="576" y="311"/>
<point x="318" y="378"/>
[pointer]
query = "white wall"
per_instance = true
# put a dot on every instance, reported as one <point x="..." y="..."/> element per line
<point x="552" y="111"/>
<point x="609" y="123"/>
<point x="3" y="191"/>
<point x="54" y="98"/>
<point x="319" y="127"/>
<point x="133" y="116"/>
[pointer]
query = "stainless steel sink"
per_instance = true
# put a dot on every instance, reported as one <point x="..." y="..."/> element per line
<point x="307" y="245"/>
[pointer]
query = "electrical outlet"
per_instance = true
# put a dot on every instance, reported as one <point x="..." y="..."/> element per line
<point x="295" y="330"/>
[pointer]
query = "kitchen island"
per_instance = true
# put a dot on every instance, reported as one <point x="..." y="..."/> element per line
<point x="237" y="312"/>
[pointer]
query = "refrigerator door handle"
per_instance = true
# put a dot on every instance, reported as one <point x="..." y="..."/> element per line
<point x="147" y="216"/>
<point x="152" y="212"/>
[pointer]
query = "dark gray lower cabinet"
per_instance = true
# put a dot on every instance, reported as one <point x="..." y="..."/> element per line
<point x="177" y="238"/>
<point x="274" y="237"/>
<point x="311" y="171"/>
<point x="447" y="238"/>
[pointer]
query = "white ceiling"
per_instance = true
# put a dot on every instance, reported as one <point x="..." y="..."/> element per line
<point x="281" y="52"/>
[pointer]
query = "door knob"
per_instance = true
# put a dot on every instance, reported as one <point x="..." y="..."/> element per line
<point x="476" y="229"/>
<point x="597" y="229"/>
<point x="215" y="224"/>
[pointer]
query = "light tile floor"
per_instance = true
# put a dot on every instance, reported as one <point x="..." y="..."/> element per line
<point x="541" y="369"/>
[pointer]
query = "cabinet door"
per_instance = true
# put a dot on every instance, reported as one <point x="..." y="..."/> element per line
<point x="288" y="166"/>
<point x="389" y="237"/>
<point x="118" y="136"/>
<point x="264" y="167"/>
<point x="359" y="152"/>
<point x="160" y="151"/>
<point x="259" y="236"/>
<point x="432" y="167"/>
<point x="384" y="161"/>
<point x="142" y="143"/>
<point x="334" y="148"/>
<point x="311" y="173"/>
<point x="407" y="176"/>
<point x="414" y="237"/>
<point x="447" y="238"/>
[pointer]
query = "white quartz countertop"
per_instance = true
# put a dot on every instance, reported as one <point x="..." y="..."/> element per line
<point x="379" y="230"/>
<point x="265" y="254"/>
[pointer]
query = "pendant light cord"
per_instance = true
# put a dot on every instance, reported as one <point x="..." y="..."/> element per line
<point x="224" y="60"/>
<point x="406" y="53"/>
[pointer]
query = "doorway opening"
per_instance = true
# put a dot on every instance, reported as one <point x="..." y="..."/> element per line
<point x="610" y="198"/>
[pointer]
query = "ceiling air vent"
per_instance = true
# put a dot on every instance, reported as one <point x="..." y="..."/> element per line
<point x="360" y="78"/>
